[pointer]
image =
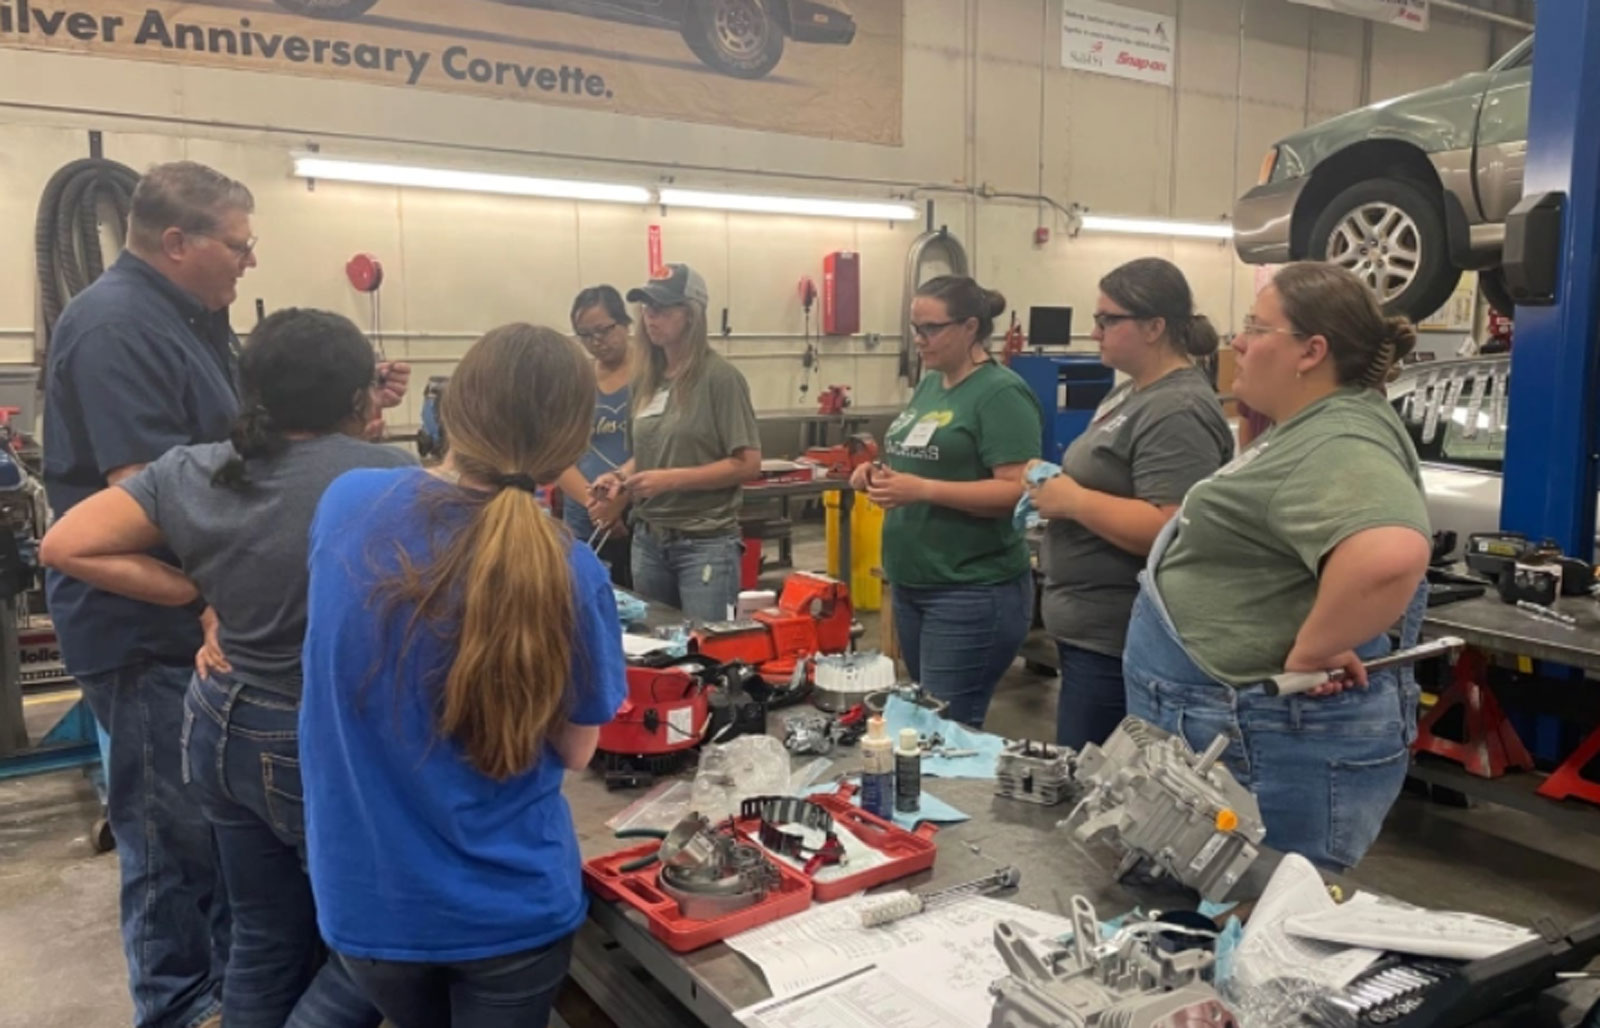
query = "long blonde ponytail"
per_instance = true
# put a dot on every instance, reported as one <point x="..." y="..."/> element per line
<point x="517" y="412"/>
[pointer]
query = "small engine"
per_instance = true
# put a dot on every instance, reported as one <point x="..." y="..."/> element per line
<point x="1150" y="797"/>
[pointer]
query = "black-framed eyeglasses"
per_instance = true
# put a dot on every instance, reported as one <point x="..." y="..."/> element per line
<point x="591" y="335"/>
<point x="929" y="329"/>
<point x="1105" y="319"/>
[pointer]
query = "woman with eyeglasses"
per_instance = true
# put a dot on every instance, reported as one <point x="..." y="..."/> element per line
<point x="1152" y="438"/>
<point x="695" y="443"/>
<point x="1300" y="555"/>
<point x="962" y="588"/>
<point x="600" y="321"/>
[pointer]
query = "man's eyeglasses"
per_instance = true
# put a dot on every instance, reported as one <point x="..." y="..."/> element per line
<point x="592" y="335"/>
<point x="1104" y="320"/>
<point x="929" y="329"/>
<point x="240" y="250"/>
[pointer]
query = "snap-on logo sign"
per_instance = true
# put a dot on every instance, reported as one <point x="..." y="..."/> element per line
<point x="1142" y="63"/>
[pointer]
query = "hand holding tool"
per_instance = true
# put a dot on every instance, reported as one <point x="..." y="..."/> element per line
<point x="1291" y="682"/>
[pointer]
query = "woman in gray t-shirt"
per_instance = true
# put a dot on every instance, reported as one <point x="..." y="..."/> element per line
<point x="1155" y="436"/>
<point x="227" y="524"/>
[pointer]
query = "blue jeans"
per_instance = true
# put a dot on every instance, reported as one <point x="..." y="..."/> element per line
<point x="1093" y="700"/>
<point x="174" y="916"/>
<point x="242" y="757"/>
<point x="1325" y="770"/>
<point x="698" y="575"/>
<point x="513" y="991"/>
<point x="957" y="640"/>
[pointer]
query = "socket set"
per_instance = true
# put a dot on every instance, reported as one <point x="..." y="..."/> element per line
<point x="1387" y="992"/>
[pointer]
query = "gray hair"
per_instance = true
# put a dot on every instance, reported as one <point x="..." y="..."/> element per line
<point x="183" y="195"/>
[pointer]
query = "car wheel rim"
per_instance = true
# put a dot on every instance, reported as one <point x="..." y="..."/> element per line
<point x="1380" y="243"/>
<point x="739" y="29"/>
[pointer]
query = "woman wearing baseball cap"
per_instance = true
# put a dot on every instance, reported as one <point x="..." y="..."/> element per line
<point x="695" y="442"/>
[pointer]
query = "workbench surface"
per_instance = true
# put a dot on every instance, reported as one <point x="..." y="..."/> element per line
<point x="1489" y="624"/>
<point x="715" y="981"/>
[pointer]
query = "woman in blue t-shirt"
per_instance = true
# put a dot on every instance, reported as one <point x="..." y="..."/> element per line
<point x="600" y="321"/>
<point x="236" y="515"/>
<point x="462" y="652"/>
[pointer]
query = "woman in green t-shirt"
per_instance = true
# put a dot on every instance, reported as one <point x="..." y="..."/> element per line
<point x="962" y="587"/>
<point x="1300" y="555"/>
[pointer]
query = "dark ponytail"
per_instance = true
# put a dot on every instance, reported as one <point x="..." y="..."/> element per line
<point x="254" y="437"/>
<point x="301" y="371"/>
<point x="1154" y="288"/>
<point x="964" y="299"/>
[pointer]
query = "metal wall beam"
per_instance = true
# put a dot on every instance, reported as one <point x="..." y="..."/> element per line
<point x="1551" y="438"/>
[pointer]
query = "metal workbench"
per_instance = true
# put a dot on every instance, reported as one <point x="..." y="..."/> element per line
<point x="707" y="986"/>
<point x="1489" y="624"/>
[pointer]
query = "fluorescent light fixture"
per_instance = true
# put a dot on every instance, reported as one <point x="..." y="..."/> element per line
<point x="1156" y="227"/>
<point x="311" y="166"/>
<point x="802" y="205"/>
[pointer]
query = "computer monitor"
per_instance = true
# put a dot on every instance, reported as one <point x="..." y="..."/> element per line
<point x="1049" y="326"/>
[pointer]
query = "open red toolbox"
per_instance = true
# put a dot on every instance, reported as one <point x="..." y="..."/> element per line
<point x="908" y="852"/>
<point x="605" y="878"/>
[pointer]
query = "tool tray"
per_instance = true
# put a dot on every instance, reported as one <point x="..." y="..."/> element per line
<point x="908" y="852"/>
<point x="638" y="889"/>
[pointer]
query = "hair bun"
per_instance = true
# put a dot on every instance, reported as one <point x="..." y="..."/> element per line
<point x="1401" y="334"/>
<point x="1200" y="337"/>
<point x="997" y="302"/>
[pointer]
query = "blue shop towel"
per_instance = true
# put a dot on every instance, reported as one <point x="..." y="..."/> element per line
<point x="1025" y="516"/>
<point x="630" y="609"/>
<point x="931" y="808"/>
<point x="899" y="713"/>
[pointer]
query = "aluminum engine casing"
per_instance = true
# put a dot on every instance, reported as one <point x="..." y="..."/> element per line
<point x="1153" y="799"/>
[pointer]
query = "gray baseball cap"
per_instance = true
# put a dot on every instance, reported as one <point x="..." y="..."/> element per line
<point x="681" y="284"/>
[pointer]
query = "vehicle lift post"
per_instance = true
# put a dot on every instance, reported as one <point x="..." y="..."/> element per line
<point x="1553" y="431"/>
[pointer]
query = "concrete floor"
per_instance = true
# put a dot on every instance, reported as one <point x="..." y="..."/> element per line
<point x="61" y="955"/>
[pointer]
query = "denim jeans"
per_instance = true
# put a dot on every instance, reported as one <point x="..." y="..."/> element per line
<point x="174" y="915"/>
<point x="1093" y="700"/>
<point x="1325" y="770"/>
<point x="698" y="575"/>
<point x="957" y="640"/>
<point x="513" y="991"/>
<point x="242" y="758"/>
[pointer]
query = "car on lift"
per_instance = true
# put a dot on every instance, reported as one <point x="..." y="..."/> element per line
<point x="742" y="38"/>
<point x="1406" y="193"/>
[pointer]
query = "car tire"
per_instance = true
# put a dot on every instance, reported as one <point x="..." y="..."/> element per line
<point x="742" y="38"/>
<point x="329" y="10"/>
<point x="1406" y="249"/>
<point x="1493" y="284"/>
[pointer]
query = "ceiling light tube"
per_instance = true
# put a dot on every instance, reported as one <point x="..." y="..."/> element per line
<point x="1155" y="227"/>
<point x="802" y="205"/>
<point x="312" y="166"/>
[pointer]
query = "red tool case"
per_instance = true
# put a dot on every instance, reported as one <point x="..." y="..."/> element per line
<point x="638" y="889"/>
<point x="908" y="852"/>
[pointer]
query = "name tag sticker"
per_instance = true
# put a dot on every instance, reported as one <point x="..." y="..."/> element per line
<point x="657" y="405"/>
<point x="1111" y="403"/>
<point x="923" y="433"/>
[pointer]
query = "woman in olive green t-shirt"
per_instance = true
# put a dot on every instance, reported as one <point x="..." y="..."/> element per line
<point x="1300" y="555"/>
<point x="959" y="570"/>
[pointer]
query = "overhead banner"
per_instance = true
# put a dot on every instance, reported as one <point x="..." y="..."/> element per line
<point x="1407" y="14"/>
<point x="1110" y="39"/>
<point x="804" y="67"/>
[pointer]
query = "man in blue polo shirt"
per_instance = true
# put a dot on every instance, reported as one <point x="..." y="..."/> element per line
<point x="141" y="361"/>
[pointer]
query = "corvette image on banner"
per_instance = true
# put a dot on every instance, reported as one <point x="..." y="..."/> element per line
<point x="805" y="67"/>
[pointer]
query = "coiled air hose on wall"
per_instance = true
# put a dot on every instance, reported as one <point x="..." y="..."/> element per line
<point x="67" y="240"/>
